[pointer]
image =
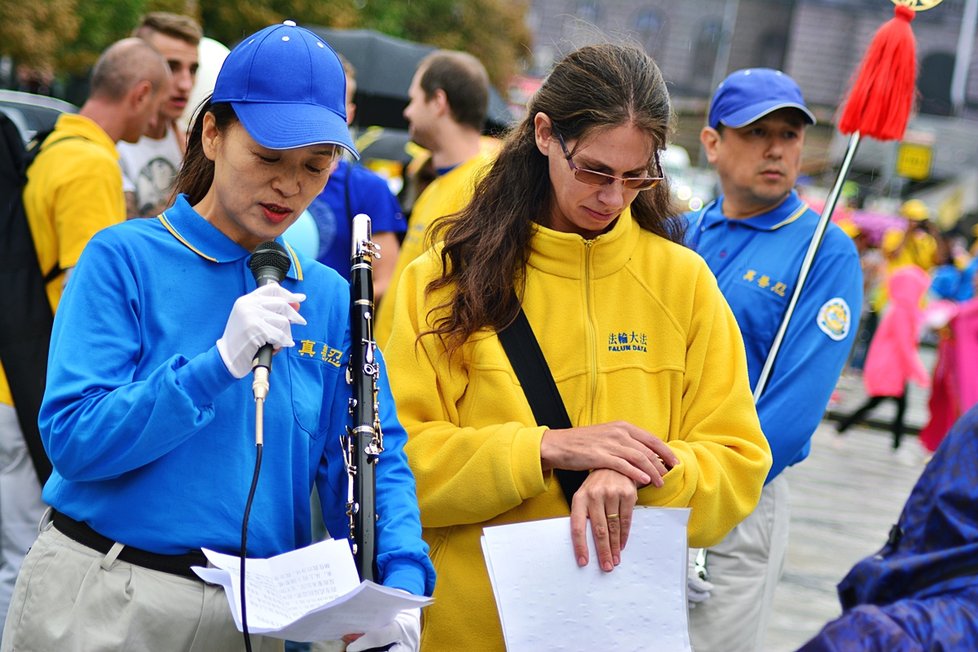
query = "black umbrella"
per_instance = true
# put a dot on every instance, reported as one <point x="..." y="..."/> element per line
<point x="385" y="65"/>
<point x="384" y="143"/>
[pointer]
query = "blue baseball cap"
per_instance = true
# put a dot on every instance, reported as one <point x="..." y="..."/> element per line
<point x="750" y="94"/>
<point x="288" y="89"/>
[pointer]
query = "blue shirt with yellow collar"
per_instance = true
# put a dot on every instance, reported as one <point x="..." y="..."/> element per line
<point x="152" y="439"/>
<point x="756" y="261"/>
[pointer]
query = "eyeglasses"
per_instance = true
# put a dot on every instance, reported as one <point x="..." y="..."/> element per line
<point x="595" y="178"/>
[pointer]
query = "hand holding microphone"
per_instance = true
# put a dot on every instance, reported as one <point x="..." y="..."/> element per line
<point x="261" y="317"/>
<point x="261" y="320"/>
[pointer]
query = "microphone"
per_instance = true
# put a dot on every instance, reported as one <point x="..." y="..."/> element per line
<point x="269" y="264"/>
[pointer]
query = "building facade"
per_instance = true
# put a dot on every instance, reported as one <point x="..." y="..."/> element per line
<point x="818" y="42"/>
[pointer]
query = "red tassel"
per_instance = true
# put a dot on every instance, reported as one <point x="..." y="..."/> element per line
<point x="882" y="95"/>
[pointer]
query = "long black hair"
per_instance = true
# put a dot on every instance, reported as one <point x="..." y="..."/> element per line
<point x="197" y="172"/>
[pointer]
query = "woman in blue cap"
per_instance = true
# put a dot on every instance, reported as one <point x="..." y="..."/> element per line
<point x="148" y="417"/>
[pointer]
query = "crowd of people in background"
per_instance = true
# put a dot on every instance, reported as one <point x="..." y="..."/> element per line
<point x="920" y="284"/>
<point x="655" y="327"/>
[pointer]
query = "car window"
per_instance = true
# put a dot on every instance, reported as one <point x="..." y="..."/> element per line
<point x="33" y="113"/>
<point x="20" y="121"/>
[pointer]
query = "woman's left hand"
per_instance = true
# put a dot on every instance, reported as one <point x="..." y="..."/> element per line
<point x="606" y="499"/>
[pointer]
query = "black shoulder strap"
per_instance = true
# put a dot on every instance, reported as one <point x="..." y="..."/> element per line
<point x="538" y="384"/>
<point x="37" y="141"/>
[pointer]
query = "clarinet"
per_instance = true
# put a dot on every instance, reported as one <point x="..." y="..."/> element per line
<point x="363" y="442"/>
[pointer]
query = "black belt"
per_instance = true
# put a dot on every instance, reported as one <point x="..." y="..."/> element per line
<point x="173" y="564"/>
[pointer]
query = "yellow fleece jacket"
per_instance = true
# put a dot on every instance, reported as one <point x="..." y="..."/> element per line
<point x="633" y="328"/>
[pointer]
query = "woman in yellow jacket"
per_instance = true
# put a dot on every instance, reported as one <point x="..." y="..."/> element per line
<point x="571" y="224"/>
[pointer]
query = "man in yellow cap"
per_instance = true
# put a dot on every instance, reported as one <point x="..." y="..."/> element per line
<point x="914" y="245"/>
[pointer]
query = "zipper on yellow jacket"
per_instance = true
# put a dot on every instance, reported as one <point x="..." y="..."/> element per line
<point x="592" y="335"/>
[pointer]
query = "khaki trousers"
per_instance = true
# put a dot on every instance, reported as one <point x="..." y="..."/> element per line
<point x="745" y="569"/>
<point x="70" y="598"/>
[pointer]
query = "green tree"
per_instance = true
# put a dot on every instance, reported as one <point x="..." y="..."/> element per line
<point x="100" y="24"/>
<point x="229" y="21"/>
<point x="68" y="35"/>
<point x="495" y="31"/>
<point x="104" y="22"/>
<point x="32" y="32"/>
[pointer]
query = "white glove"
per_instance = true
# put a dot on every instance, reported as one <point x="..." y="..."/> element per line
<point x="697" y="588"/>
<point x="404" y="632"/>
<point x="262" y="316"/>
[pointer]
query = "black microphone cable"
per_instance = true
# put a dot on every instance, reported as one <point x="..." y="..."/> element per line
<point x="244" y="545"/>
<point x="269" y="264"/>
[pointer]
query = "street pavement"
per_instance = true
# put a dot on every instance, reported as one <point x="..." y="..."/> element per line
<point x="844" y="498"/>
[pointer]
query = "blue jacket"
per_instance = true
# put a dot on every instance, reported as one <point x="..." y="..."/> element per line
<point x="756" y="261"/>
<point x="152" y="439"/>
<point x="920" y="591"/>
<point x="352" y="189"/>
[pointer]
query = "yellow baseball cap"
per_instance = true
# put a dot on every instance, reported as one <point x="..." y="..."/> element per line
<point x="914" y="209"/>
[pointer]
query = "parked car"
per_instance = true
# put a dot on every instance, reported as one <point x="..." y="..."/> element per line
<point x="692" y="187"/>
<point x="33" y="113"/>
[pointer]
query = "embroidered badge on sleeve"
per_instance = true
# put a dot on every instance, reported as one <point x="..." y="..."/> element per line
<point x="834" y="318"/>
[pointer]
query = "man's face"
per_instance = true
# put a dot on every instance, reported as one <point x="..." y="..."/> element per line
<point x="758" y="164"/>
<point x="420" y="113"/>
<point x="183" y="60"/>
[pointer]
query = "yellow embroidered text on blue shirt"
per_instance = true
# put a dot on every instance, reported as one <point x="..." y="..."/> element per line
<point x="328" y="354"/>
<point x="765" y="282"/>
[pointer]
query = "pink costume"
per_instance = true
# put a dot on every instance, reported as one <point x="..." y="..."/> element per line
<point x="965" y="327"/>
<point x="892" y="359"/>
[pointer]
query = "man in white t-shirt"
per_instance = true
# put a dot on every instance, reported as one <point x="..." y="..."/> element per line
<point x="150" y="165"/>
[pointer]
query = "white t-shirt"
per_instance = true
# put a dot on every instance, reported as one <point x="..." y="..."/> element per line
<point x="148" y="169"/>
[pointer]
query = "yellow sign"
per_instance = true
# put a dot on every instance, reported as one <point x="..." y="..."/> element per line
<point x="918" y="5"/>
<point x="913" y="161"/>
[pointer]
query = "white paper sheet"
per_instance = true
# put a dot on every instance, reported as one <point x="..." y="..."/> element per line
<point x="546" y="602"/>
<point x="310" y="594"/>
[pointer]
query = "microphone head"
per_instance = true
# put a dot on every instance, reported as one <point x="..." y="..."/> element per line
<point x="269" y="263"/>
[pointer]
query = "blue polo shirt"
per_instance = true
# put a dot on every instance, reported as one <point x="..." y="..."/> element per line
<point x="153" y="440"/>
<point x="756" y="261"/>
<point x="352" y="189"/>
